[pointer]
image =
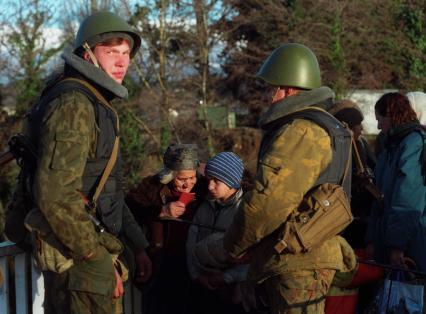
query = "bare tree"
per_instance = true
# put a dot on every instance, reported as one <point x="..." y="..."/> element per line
<point x="203" y="57"/>
<point x="156" y="66"/>
<point x="25" y="45"/>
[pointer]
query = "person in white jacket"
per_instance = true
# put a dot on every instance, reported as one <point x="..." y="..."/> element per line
<point x="207" y="262"/>
<point x="418" y="103"/>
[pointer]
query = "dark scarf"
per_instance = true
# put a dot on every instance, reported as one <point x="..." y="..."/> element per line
<point x="398" y="133"/>
<point x="174" y="195"/>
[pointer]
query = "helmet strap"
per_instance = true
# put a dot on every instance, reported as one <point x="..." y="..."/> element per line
<point x="91" y="54"/>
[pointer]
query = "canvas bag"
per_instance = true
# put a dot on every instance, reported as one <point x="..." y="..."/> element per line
<point x="324" y="212"/>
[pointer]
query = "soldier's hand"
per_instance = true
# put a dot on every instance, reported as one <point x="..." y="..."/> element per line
<point x="143" y="267"/>
<point x="175" y="209"/>
<point x="119" y="289"/>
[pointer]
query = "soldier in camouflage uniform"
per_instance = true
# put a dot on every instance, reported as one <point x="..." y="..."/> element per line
<point x="291" y="159"/>
<point x="74" y="138"/>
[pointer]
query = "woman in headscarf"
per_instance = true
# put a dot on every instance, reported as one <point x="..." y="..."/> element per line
<point x="174" y="192"/>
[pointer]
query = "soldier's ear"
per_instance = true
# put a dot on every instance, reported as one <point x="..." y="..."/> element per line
<point x="86" y="56"/>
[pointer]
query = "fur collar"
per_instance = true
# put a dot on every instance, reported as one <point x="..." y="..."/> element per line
<point x="320" y="97"/>
<point x="94" y="74"/>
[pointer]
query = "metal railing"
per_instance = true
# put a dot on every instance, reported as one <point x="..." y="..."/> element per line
<point x="22" y="291"/>
<point x="25" y="293"/>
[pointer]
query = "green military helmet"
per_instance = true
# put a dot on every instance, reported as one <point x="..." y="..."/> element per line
<point x="293" y="65"/>
<point x="94" y="27"/>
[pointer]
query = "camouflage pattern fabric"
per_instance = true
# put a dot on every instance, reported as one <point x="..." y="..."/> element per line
<point x="288" y="170"/>
<point x="67" y="139"/>
<point x="118" y="305"/>
<point x="299" y="292"/>
<point x="84" y="288"/>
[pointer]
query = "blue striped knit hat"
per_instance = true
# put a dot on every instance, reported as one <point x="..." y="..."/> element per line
<point x="226" y="167"/>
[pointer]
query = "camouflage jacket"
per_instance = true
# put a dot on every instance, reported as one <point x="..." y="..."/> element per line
<point x="68" y="137"/>
<point x="290" y="167"/>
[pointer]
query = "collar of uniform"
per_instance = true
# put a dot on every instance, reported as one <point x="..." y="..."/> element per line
<point x="319" y="97"/>
<point x="94" y="74"/>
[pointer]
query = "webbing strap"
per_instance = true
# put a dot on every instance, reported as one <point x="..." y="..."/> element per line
<point x="359" y="164"/>
<point x="349" y="158"/>
<point x="346" y="127"/>
<point x="350" y="146"/>
<point x="97" y="94"/>
<point x="113" y="158"/>
<point x="107" y="170"/>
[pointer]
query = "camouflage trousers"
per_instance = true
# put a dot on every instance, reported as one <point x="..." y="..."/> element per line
<point x="85" y="288"/>
<point x="299" y="292"/>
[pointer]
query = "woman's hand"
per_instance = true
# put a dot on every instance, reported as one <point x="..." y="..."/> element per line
<point x="173" y="209"/>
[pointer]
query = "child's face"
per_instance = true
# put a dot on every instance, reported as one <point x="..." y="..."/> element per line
<point x="219" y="190"/>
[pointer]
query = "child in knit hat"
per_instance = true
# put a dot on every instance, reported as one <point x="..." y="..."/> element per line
<point x="206" y="258"/>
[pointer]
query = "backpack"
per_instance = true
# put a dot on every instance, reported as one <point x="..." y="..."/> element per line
<point x="23" y="149"/>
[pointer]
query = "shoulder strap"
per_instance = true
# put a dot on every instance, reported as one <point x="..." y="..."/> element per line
<point x="113" y="158"/>
<point x="96" y="93"/>
<point x="322" y="118"/>
<point x="359" y="164"/>
<point x="348" y="161"/>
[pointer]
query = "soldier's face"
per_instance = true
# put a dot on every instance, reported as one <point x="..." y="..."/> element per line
<point x="114" y="60"/>
<point x="274" y="94"/>
<point x="219" y="190"/>
<point x="185" y="180"/>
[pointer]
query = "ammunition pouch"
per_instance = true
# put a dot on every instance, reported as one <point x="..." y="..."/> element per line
<point x="121" y="268"/>
<point x="50" y="254"/>
<point x="323" y="214"/>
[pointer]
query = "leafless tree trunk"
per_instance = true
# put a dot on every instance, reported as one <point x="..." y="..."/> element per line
<point x="162" y="79"/>
<point x="203" y="55"/>
<point x="25" y="47"/>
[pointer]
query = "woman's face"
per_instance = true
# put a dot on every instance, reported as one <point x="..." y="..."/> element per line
<point x="185" y="180"/>
<point x="383" y="123"/>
